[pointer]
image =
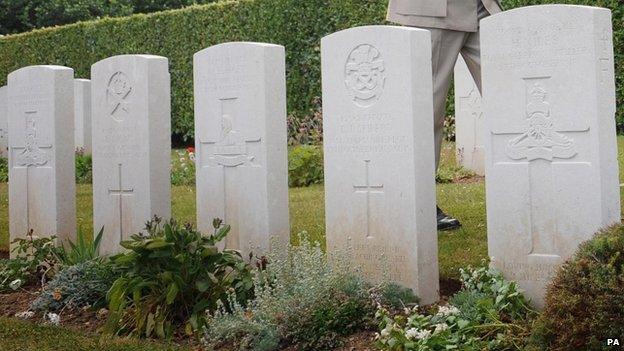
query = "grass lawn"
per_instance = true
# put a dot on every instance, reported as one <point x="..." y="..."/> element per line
<point x="459" y="248"/>
<point x="26" y="336"/>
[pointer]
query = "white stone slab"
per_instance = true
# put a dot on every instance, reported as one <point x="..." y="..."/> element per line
<point x="549" y="104"/>
<point x="469" y="132"/>
<point x="4" y="123"/>
<point x="42" y="188"/>
<point x="241" y="139"/>
<point x="379" y="153"/>
<point x="131" y="131"/>
<point x="82" y="115"/>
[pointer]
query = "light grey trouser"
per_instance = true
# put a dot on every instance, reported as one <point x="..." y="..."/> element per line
<point x="446" y="46"/>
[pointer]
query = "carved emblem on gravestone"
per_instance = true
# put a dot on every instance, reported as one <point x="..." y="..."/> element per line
<point x="231" y="148"/>
<point x="33" y="154"/>
<point x="117" y="96"/>
<point x="541" y="140"/>
<point x="365" y="75"/>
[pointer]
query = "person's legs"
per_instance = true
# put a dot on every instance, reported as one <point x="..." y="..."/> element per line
<point x="446" y="45"/>
<point x="471" y="50"/>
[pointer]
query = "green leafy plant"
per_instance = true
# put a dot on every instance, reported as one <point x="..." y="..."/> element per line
<point x="4" y="170"/>
<point x="82" y="285"/>
<point x="84" y="168"/>
<point x="305" y="165"/>
<point x="299" y="299"/>
<point x="35" y="260"/>
<point x="489" y="313"/>
<point x="170" y="277"/>
<point x="585" y="301"/>
<point x="82" y="250"/>
<point x="183" y="167"/>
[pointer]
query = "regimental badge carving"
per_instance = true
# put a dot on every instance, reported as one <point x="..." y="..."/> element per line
<point x="33" y="154"/>
<point x="231" y="149"/>
<point x="365" y="75"/>
<point x="541" y="140"/>
<point x="118" y="94"/>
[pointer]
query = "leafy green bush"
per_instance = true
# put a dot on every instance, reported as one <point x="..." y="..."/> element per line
<point x="585" y="301"/>
<point x="84" y="168"/>
<point x="183" y="167"/>
<point x="82" y="250"/>
<point x="489" y="313"/>
<point x="171" y="277"/>
<point x="35" y="260"/>
<point x="4" y="170"/>
<point x="82" y="285"/>
<point x="305" y="165"/>
<point x="299" y="299"/>
<point x="298" y="25"/>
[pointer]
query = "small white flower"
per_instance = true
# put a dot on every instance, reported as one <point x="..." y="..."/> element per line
<point x="25" y="314"/>
<point x="411" y="333"/>
<point x="386" y="331"/>
<point x="423" y="334"/>
<point x="53" y="318"/>
<point x="447" y="310"/>
<point x="440" y="328"/>
<point x="15" y="284"/>
<point x="377" y="336"/>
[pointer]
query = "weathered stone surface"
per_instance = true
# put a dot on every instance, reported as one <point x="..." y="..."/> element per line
<point x="469" y="132"/>
<point x="82" y="115"/>
<point x="131" y="133"/>
<point x="241" y="138"/>
<point x="42" y="188"/>
<point x="4" y="123"/>
<point x="549" y="104"/>
<point x="379" y="153"/>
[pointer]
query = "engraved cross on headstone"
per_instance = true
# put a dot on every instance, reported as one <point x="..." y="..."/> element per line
<point x="368" y="189"/>
<point x="31" y="155"/>
<point x="120" y="192"/>
<point x="540" y="145"/>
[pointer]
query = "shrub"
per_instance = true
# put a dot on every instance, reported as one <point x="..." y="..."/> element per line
<point x="298" y="25"/>
<point x="489" y="313"/>
<point x="170" y="277"/>
<point x="183" y="167"/>
<point x="299" y="299"/>
<point x="4" y="170"/>
<point x="585" y="301"/>
<point x="305" y="165"/>
<point x="82" y="250"/>
<point x="84" y="168"/>
<point x="82" y="285"/>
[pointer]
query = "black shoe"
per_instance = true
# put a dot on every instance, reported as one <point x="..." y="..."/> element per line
<point x="445" y="222"/>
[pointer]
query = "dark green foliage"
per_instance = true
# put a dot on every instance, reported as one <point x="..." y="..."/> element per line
<point x="84" y="168"/>
<point x="77" y="286"/>
<point x="82" y="250"/>
<point x="4" y="170"/>
<point x="35" y="260"/>
<point x="171" y="277"/>
<point x="396" y="297"/>
<point x="305" y="165"/>
<point x="585" y="301"/>
<point x="298" y="25"/>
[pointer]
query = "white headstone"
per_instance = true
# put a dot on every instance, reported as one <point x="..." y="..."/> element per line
<point x="4" y="123"/>
<point x="379" y="154"/>
<point x="131" y="128"/>
<point x="468" y="121"/>
<point x="42" y="188"/>
<point x="82" y="115"/>
<point x="241" y="139"/>
<point x="552" y="169"/>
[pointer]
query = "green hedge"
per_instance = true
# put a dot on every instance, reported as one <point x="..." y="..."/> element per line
<point x="177" y="34"/>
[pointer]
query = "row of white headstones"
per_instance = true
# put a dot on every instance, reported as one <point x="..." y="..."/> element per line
<point x="549" y="132"/>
